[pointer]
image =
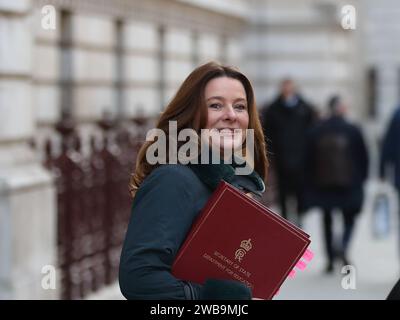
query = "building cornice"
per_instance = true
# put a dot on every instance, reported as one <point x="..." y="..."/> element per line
<point x="170" y="13"/>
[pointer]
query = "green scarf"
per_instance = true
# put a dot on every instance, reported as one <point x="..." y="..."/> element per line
<point x="212" y="174"/>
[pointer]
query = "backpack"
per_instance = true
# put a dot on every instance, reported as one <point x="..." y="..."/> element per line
<point x="334" y="166"/>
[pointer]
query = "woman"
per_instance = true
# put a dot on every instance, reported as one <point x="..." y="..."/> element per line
<point x="168" y="197"/>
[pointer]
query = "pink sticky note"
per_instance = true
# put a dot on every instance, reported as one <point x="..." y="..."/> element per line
<point x="301" y="265"/>
<point x="292" y="274"/>
<point x="308" y="255"/>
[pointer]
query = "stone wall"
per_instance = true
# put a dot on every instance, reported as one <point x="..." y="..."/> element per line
<point x="125" y="57"/>
<point x="27" y="208"/>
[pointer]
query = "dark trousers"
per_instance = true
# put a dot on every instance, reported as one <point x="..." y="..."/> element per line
<point x="288" y="188"/>
<point x="349" y="217"/>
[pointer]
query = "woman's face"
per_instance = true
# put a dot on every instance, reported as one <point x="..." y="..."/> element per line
<point x="227" y="110"/>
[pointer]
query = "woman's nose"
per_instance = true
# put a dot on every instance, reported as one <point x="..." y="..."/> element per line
<point x="230" y="113"/>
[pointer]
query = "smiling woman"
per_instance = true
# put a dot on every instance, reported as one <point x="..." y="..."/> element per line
<point x="168" y="197"/>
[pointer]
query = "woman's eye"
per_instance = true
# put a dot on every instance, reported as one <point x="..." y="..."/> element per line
<point x="215" y="106"/>
<point x="240" y="107"/>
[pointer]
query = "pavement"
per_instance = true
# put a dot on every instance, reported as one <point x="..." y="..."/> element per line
<point x="375" y="259"/>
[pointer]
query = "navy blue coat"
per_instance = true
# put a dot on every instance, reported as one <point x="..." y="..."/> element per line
<point x="390" y="153"/>
<point x="164" y="208"/>
<point x="349" y="198"/>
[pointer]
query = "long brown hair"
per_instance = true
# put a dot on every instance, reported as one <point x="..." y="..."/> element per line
<point x="188" y="109"/>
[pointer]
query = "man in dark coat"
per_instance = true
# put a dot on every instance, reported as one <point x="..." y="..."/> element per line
<point x="286" y="122"/>
<point x="337" y="167"/>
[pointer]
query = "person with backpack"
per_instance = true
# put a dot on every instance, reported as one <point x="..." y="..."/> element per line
<point x="336" y="169"/>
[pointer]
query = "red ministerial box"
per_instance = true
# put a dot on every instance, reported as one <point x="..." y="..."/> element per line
<point x="235" y="237"/>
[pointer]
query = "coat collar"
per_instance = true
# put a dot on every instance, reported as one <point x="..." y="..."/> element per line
<point x="212" y="174"/>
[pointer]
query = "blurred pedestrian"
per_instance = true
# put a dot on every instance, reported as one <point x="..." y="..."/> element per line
<point x="337" y="167"/>
<point x="390" y="153"/>
<point x="286" y="122"/>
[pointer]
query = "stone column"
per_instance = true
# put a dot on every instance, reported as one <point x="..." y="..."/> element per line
<point x="27" y="196"/>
